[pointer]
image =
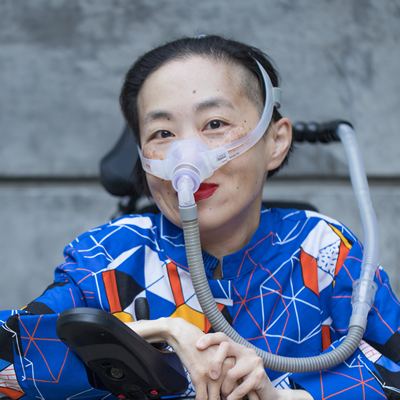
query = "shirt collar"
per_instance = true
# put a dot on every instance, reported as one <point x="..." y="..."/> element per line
<point x="246" y="259"/>
<point x="233" y="265"/>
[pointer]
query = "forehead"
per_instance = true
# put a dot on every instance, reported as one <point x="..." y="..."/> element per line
<point x="194" y="77"/>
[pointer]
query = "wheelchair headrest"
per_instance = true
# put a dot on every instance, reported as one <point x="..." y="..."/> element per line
<point x="116" y="167"/>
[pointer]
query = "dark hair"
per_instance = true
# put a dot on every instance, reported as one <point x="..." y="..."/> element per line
<point x="206" y="46"/>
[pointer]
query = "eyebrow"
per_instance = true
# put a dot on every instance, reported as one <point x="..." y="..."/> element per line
<point x="157" y="114"/>
<point x="214" y="102"/>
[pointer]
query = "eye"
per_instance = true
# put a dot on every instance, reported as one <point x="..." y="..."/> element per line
<point x="214" y="124"/>
<point x="163" y="134"/>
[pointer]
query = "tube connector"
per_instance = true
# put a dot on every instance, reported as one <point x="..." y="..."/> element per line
<point x="188" y="213"/>
<point x="358" y="320"/>
<point x="364" y="291"/>
<point x="185" y="189"/>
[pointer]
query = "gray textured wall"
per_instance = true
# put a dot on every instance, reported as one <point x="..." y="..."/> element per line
<point x="61" y="68"/>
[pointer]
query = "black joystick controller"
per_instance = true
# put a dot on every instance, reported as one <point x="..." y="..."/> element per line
<point x="128" y="366"/>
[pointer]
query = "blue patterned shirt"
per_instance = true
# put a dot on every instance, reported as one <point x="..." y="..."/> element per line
<point x="288" y="292"/>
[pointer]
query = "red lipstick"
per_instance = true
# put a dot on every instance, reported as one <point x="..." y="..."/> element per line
<point x="205" y="190"/>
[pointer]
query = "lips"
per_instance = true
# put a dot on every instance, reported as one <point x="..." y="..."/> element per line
<point x="205" y="190"/>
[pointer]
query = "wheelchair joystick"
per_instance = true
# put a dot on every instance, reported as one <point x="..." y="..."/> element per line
<point x="118" y="359"/>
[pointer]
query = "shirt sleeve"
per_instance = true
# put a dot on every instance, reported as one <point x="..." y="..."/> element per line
<point x="373" y="371"/>
<point x="34" y="363"/>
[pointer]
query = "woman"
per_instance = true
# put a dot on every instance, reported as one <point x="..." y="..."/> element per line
<point x="282" y="278"/>
<point x="218" y="101"/>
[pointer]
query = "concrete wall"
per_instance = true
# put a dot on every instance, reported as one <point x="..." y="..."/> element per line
<point x="61" y="68"/>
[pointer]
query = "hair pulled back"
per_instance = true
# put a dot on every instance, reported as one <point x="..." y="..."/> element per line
<point x="207" y="46"/>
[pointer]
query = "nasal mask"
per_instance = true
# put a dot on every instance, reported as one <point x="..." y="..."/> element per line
<point x="189" y="162"/>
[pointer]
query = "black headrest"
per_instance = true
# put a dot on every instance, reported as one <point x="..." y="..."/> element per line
<point x="116" y="167"/>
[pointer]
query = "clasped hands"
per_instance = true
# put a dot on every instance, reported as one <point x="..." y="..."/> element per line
<point x="217" y="365"/>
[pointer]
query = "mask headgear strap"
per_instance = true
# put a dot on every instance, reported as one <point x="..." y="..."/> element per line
<point x="277" y="96"/>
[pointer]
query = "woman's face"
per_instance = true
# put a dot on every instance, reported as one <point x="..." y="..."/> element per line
<point x="203" y="98"/>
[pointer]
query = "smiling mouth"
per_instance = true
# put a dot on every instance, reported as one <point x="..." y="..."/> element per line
<point x="205" y="190"/>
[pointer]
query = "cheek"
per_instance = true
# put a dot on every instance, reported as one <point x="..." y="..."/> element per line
<point x="165" y="197"/>
<point x="154" y="152"/>
<point x="238" y="133"/>
<point x="246" y="175"/>
<point x="162" y="191"/>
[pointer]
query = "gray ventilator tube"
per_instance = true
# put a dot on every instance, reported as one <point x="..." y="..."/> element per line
<point x="363" y="289"/>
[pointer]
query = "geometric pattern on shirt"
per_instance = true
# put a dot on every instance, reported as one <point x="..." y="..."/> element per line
<point x="362" y="384"/>
<point x="391" y="349"/>
<point x="176" y="292"/>
<point x="320" y="257"/>
<point x="121" y="290"/>
<point x="9" y="384"/>
<point x="286" y="300"/>
<point x="386" y="366"/>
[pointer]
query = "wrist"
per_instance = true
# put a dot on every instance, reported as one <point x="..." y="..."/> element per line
<point x="171" y="330"/>
<point x="152" y="331"/>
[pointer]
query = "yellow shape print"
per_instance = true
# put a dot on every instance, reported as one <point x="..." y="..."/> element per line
<point x="123" y="316"/>
<point x="344" y="240"/>
<point x="194" y="317"/>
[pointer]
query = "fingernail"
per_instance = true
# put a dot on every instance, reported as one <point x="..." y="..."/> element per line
<point x="200" y="343"/>
<point x="214" y="374"/>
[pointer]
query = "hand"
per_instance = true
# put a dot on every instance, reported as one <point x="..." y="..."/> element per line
<point x="248" y="376"/>
<point x="182" y="337"/>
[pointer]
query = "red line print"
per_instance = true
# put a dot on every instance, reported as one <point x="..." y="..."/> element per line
<point x="379" y="315"/>
<point x="271" y="234"/>
<point x="59" y="374"/>
<point x="87" y="276"/>
<point x="360" y="382"/>
<point x="30" y="337"/>
<point x="353" y="258"/>
<point x="378" y="275"/>
<point x="248" y="284"/>
<point x="259" y="296"/>
<point x="33" y="340"/>
<point x="47" y="340"/>
<point x="65" y="264"/>
<point x="72" y="297"/>
<point x="251" y="316"/>
<point x="186" y="268"/>
<point x="348" y="273"/>
<point x="84" y="269"/>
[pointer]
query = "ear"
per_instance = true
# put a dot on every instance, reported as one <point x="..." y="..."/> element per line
<point x="280" y="139"/>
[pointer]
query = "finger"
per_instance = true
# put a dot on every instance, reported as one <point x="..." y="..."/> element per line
<point x="216" y="363"/>
<point x="252" y="373"/>
<point x="242" y="369"/>
<point x="242" y="390"/>
<point x="201" y="390"/>
<point x="213" y="390"/>
<point x="247" y="363"/>
<point x="257" y="382"/>
<point x="229" y="384"/>
<point x="214" y="387"/>
<point x="211" y="339"/>
<point x="252" y="395"/>
<point x="225" y="393"/>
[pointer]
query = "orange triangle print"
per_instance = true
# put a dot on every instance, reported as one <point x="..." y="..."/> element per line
<point x="309" y="268"/>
